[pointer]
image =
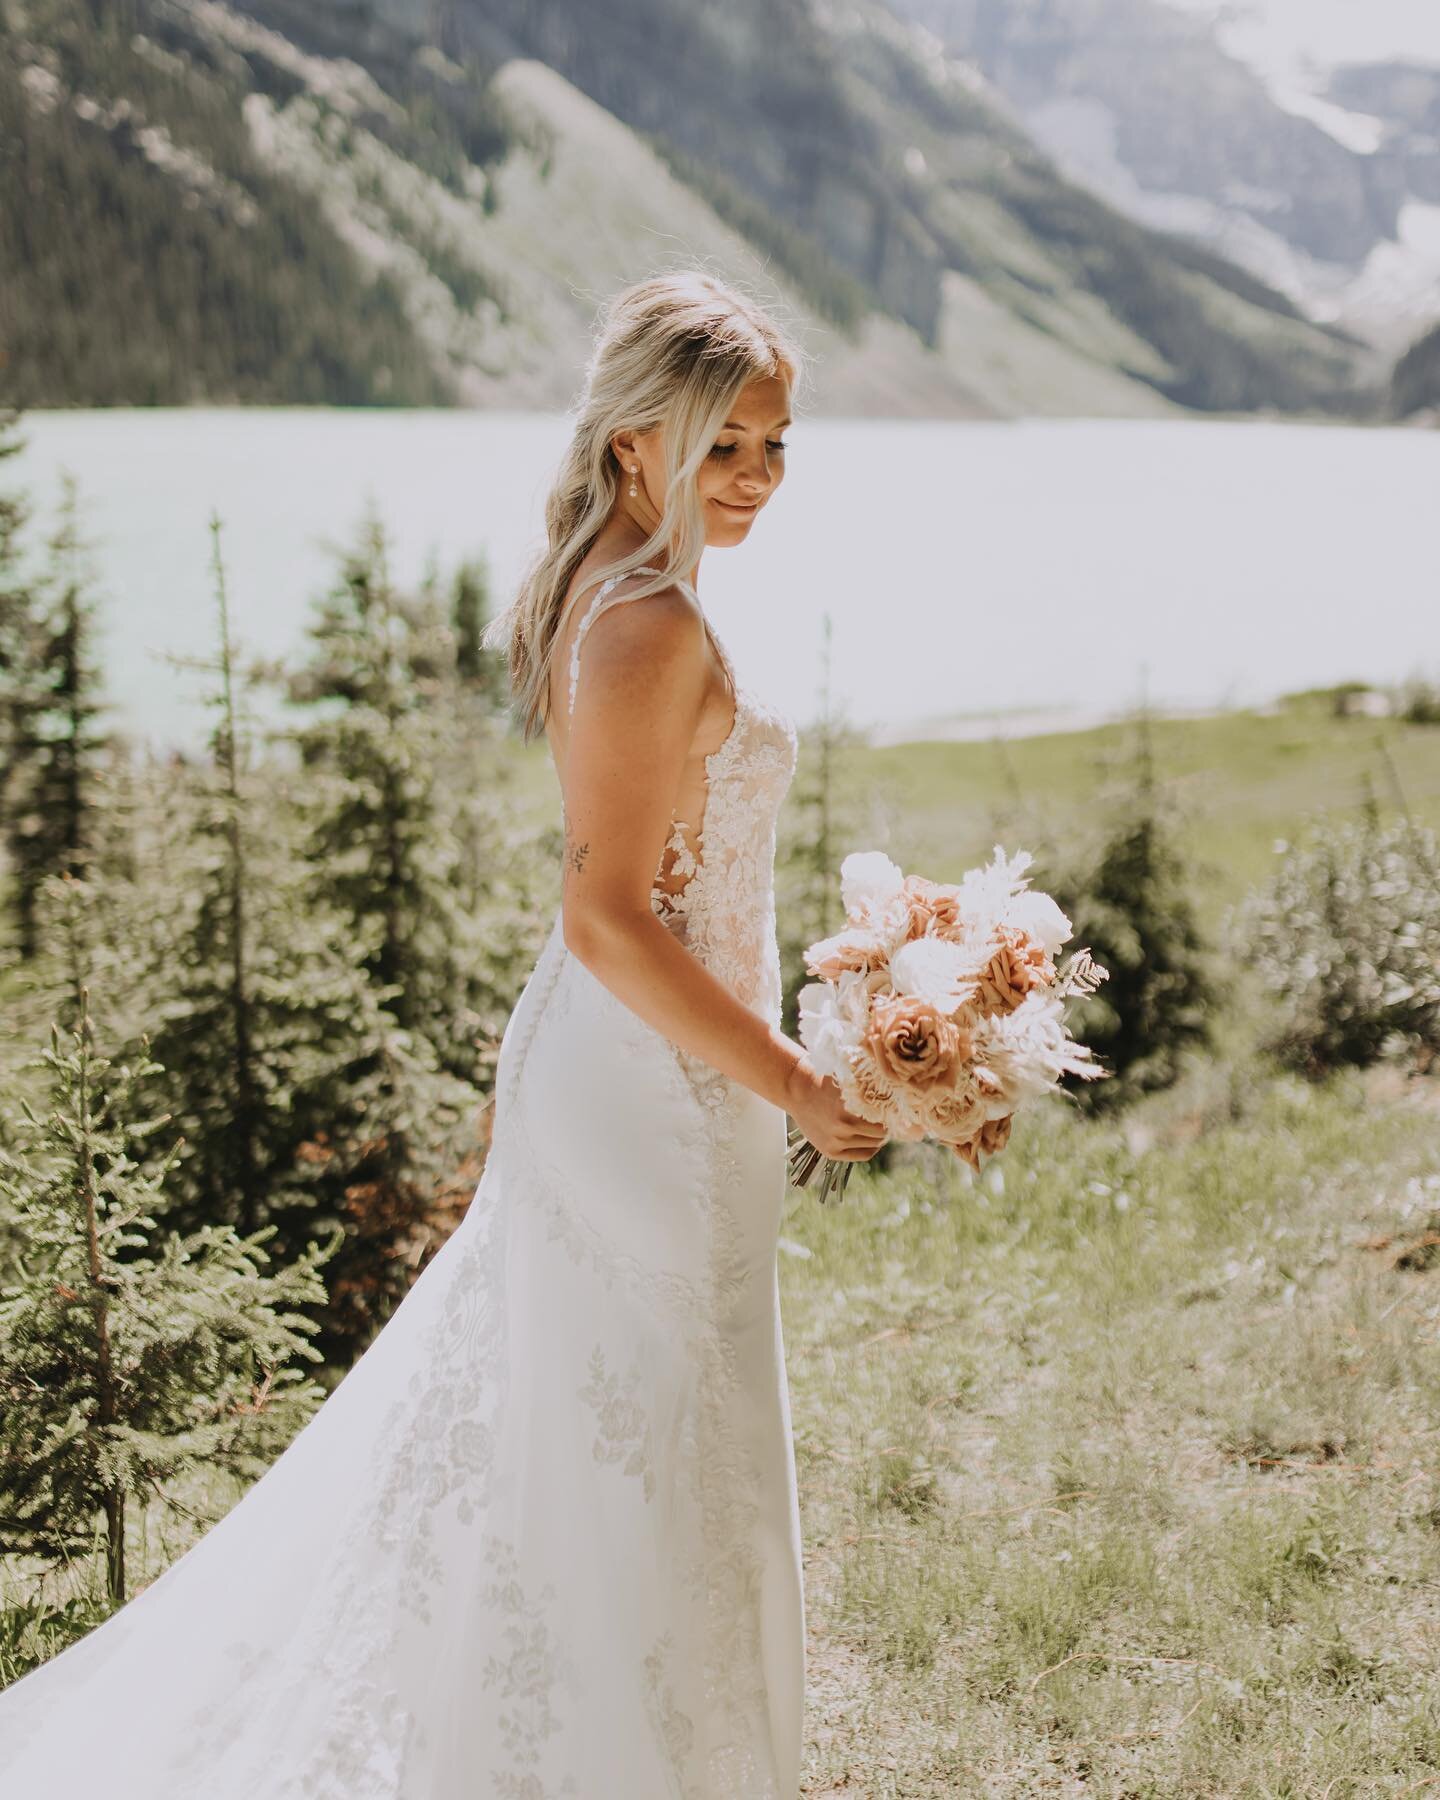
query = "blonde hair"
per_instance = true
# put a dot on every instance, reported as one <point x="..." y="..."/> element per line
<point x="673" y="350"/>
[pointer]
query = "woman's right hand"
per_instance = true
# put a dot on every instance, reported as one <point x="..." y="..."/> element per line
<point x="817" y="1106"/>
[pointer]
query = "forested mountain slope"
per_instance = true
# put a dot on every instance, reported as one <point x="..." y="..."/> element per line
<point x="404" y="203"/>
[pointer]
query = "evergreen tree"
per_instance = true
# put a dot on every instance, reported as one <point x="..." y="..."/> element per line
<point x="128" y="1356"/>
<point x="58" y="753"/>
<point x="1415" y="380"/>
<point x="479" y="670"/>
<point x="1131" y="906"/>
<point x="305" y="1104"/>
<point x="507" y="867"/>
<point x="15" y="618"/>
<point x="1344" y="941"/>
<point x="383" y="843"/>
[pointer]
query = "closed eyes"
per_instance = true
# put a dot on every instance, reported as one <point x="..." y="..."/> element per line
<point x="724" y="450"/>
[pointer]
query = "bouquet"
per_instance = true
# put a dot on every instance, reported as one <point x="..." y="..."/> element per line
<point x="939" y="1009"/>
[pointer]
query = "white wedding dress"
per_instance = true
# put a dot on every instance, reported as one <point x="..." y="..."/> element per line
<point x="543" y="1539"/>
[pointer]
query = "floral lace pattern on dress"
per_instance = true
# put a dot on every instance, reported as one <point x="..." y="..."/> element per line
<point x="524" y="1676"/>
<point x="622" y="1432"/>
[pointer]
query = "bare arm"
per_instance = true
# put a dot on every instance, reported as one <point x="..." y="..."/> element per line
<point x="636" y="709"/>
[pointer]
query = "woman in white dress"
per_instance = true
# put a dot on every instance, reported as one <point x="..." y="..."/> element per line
<point x="543" y="1539"/>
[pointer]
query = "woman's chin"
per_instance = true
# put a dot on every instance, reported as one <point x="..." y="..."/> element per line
<point x="724" y="526"/>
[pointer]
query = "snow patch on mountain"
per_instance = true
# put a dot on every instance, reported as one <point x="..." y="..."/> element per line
<point x="1276" y="49"/>
<point x="1383" y="300"/>
<point x="1356" y="131"/>
<point x="1395" y="291"/>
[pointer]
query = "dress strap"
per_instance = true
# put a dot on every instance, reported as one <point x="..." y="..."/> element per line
<point x="597" y="604"/>
<point x="580" y="630"/>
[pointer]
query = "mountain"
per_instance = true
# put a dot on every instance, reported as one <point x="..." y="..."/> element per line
<point x="1398" y="286"/>
<point x="1415" y="384"/>
<point x="149" y="254"/>
<point x="883" y="157"/>
<point x="404" y="202"/>
<point x="1404" y="97"/>
<point x="1324" y="195"/>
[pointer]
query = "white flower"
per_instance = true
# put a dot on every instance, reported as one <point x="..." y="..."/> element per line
<point x="1028" y="1050"/>
<point x="932" y="969"/>
<point x="832" y="1023"/>
<point x="1041" y="919"/>
<point x="986" y="894"/>
<point x="868" y="879"/>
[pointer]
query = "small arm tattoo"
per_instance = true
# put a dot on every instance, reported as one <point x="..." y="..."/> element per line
<point x="575" y="854"/>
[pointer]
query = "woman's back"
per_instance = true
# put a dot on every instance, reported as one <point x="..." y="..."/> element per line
<point x="740" y="762"/>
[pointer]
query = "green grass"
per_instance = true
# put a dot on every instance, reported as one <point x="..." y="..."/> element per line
<point x="1120" y="1466"/>
<point x="1242" y="782"/>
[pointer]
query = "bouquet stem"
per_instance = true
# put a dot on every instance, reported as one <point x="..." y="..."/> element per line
<point x="804" y="1160"/>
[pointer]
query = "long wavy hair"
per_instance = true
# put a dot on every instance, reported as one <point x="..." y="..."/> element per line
<point x="671" y="351"/>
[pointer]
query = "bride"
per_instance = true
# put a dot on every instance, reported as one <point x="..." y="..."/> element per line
<point x="543" y="1539"/>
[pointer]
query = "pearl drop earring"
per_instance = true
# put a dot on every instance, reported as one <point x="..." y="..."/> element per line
<point x="633" y="489"/>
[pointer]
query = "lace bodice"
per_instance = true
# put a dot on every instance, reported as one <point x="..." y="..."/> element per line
<point x="724" y="909"/>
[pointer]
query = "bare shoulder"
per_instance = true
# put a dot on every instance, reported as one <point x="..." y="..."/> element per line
<point x="659" y="636"/>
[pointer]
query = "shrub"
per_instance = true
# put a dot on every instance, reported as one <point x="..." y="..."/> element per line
<point x="1418" y="702"/>
<point x="1131" y="906"/>
<point x="1346" y="942"/>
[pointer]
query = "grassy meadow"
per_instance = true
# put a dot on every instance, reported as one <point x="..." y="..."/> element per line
<point x="1120" y="1465"/>
<point x="1241" y="781"/>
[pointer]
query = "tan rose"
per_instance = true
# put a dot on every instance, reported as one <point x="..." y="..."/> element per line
<point x="940" y="905"/>
<point x="876" y="1098"/>
<point x="859" y="949"/>
<point x="912" y="1044"/>
<point x="953" y="1117"/>
<point x="992" y="1136"/>
<point x="1018" y="965"/>
<point x="878" y="981"/>
<point x="995" y="1134"/>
